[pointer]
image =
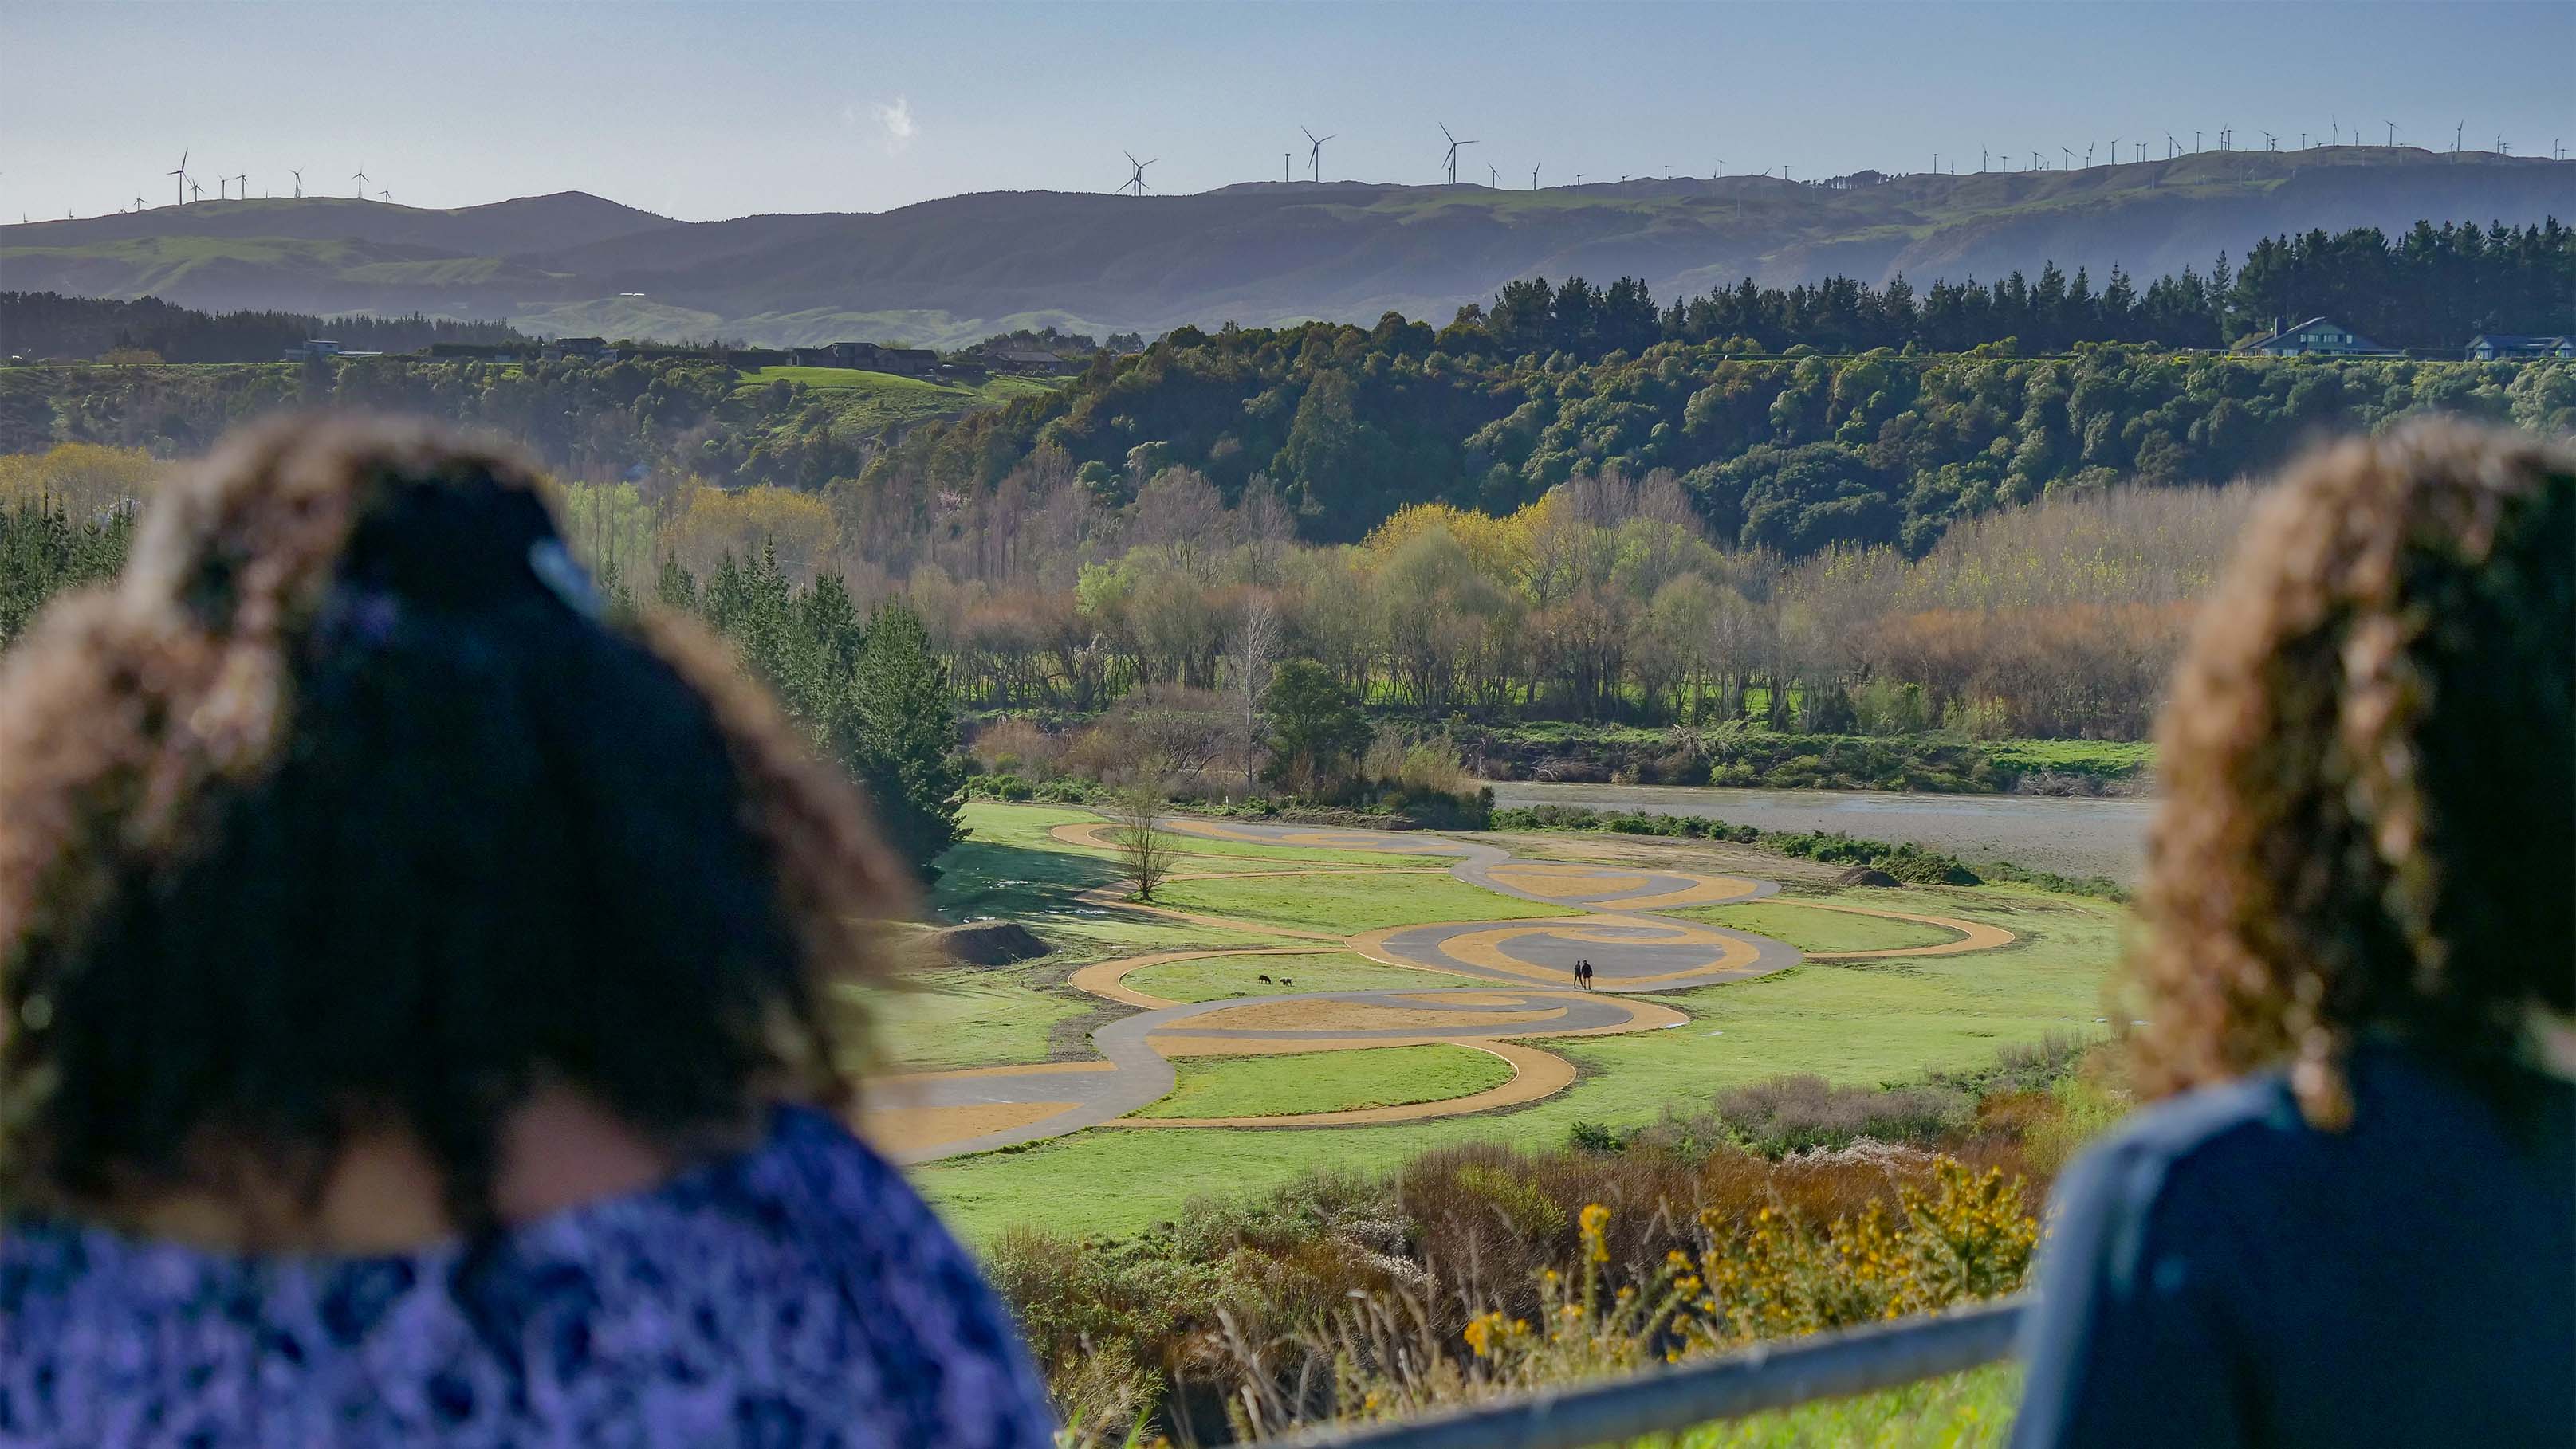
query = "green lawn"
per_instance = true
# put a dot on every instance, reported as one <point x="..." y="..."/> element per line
<point x="1223" y="976"/>
<point x="1356" y="903"/>
<point x="1254" y="853"/>
<point x="970" y="1017"/>
<point x="1955" y="1411"/>
<point x="1328" y="1081"/>
<point x="1809" y="929"/>
<point x="1865" y="1022"/>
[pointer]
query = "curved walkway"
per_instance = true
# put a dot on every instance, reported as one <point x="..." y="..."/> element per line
<point x="1521" y="973"/>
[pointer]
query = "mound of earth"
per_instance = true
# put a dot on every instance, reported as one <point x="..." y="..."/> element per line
<point x="1865" y="875"/>
<point x="987" y="943"/>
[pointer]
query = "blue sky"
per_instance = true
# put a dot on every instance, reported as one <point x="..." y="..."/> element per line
<point x="704" y="110"/>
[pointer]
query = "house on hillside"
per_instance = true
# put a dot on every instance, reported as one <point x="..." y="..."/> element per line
<point x="912" y="361"/>
<point x="2316" y="337"/>
<point x="579" y="347"/>
<point x="1033" y="360"/>
<point x="2501" y="346"/>
<point x="474" y="352"/>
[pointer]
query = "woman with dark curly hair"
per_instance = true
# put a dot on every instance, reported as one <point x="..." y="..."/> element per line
<point x="418" y="1021"/>
<point x="2356" y="1223"/>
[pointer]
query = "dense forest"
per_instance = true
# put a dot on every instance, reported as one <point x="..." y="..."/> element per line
<point x="47" y="324"/>
<point x="1797" y="454"/>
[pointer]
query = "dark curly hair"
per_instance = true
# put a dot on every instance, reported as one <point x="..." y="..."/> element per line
<point x="346" y="807"/>
<point x="2369" y="772"/>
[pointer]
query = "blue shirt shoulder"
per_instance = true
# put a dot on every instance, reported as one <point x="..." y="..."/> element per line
<point x="2220" y="1272"/>
<point x="799" y="1293"/>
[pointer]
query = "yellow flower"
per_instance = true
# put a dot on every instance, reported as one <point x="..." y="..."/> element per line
<point x="1595" y="1224"/>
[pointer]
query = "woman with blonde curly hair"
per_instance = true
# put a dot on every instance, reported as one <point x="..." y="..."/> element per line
<point x="2355" y="1223"/>
<point x="416" y="985"/>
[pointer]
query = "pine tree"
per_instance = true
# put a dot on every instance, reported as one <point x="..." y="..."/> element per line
<point x="897" y="735"/>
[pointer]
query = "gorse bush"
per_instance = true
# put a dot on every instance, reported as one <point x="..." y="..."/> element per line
<point x="1955" y="1235"/>
<point x="1786" y="1114"/>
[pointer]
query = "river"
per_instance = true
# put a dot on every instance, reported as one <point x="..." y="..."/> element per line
<point x="2104" y="836"/>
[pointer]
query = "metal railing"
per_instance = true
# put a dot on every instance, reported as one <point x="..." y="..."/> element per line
<point x="1766" y="1376"/>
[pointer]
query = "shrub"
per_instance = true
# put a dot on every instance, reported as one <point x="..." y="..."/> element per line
<point x="1957" y="1235"/>
<point x="1787" y="1114"/>
<point x="1017" y="747"/>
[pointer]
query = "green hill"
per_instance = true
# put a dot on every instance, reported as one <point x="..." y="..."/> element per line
<point x="947" y="271"/>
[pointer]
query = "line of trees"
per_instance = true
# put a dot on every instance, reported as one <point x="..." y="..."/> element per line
<point x="40" y="325"/>
<point x="2433" y="287"/>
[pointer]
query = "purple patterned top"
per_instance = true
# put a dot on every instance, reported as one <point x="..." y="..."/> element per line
<point x="799" y="1293"/>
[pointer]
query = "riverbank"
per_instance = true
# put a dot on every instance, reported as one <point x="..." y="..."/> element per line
<point x="2079" y="837"/>
<point x="1741" y="756"/>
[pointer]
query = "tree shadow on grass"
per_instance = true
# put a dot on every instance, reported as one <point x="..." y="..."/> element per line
<point x="979" y="880"/>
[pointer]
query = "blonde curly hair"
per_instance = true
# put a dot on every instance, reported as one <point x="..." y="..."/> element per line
<point x="2369" y="771"/>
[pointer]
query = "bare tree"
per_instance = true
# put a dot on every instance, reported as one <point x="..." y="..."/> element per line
<point x="1251" y="652"/>
<point x="1144" y="847"/>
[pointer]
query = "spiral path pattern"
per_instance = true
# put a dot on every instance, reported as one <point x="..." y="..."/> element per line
<point x="1517" y="979"/>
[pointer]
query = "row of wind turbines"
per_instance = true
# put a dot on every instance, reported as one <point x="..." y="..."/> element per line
<point x="190" y="190"/>
<point x="1987" y="157"/>
<point x="1136" y="185"/>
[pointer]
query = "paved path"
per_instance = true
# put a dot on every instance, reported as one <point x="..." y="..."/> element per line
<point x="1520" y="978"/>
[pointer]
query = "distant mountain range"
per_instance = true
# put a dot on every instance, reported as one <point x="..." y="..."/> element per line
<point x="960" y="268"/>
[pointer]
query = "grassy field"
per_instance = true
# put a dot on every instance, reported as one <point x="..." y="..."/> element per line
<point x="1328" y="1081"/>
<point x="1956" y="1411"/>
<point x="1223" y="976"/>
<point x="1359" y="903"/>
<point x="868" y="400"/>
<point x="1861" y="1022"/>
<point x="964" y="1018"/>
<point x="1810" y="929"/>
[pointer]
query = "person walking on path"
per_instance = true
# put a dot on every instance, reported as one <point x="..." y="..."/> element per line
<point x="2353" y="1222"/>
<point x="424" y="1001"/>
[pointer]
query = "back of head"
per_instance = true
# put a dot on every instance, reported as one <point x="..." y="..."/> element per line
<point x="348" y="808"/>
<point x="2369" y="769"/>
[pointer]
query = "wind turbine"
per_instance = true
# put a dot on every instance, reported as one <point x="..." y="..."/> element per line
<point x="361" y="179"/>
<point x="1315" y="152"/>
<point x="2456" y="133"/>
<point x="1454" y="144"/>
<point x="1983" y="156"/>
<point x="1136" y="178"/>
<point x="1284" y="158"/>
<point x="2392" y="135"/>
<point x="2173" y="147"/>
<point x="2068" y="164"/>
<point x="1534" y="178"/>
<point x="182" y="173"/>
<point x="2268" y="142"/>
<point x="1494" y="177"/>
<point x="196" y="192"/>
<point x="386" y="197"/>
<point x="244" y="179"/>
<point x="299" y="186"/>
<point x="223" y="188"/>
